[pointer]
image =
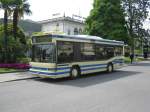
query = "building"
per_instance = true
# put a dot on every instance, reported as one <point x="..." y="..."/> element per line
<point x="66" y="25"/>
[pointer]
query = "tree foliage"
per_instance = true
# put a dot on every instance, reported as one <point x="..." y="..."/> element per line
<point x="107" y="20"/>
<point x="13" y="43"/>
<point x="136" y="13"/>
<point x="16" y="47"/>
<point x="20" y="7"/>
<point x="5" y="5"/>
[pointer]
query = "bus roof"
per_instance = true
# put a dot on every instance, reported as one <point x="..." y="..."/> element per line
<point x="82" y="37"/>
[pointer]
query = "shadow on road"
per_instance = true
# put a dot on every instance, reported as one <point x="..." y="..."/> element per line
<point x="90" y="79"/>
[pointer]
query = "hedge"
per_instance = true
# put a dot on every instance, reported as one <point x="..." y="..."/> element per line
<point x="15" y="66"/>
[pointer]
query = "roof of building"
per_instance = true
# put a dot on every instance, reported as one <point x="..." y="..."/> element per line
<point x="61" y="19"/>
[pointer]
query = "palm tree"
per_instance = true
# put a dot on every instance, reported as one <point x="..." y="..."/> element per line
<point x="20" y="8"/>
<point x="5" y="5"/>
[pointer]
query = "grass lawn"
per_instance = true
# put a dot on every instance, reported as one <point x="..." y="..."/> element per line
<point x="7" y="70"/>
<point x="138" y="59"/>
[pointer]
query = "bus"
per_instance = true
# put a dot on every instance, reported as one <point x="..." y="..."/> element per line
<point x="58" y="56"/>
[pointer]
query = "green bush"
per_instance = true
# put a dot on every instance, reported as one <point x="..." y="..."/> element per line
<point x="138" y="51"/>
<point x="23" y="60"/>
<point x="127" y="60"/>
<point x="140" y="59"/>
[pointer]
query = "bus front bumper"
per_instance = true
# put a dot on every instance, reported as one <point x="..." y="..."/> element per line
<point x="50" y="74"/>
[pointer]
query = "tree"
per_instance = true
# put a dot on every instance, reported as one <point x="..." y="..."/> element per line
<point x="16" y="47"/>
<point x="107" y="20"/>
<point x="136" y="13"/>
<point x="5" y="5"/>
<point x="20" y="7"/>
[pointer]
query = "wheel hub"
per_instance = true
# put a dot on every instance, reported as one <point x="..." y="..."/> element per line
<point x="110" y="68"/>
<point x="74" y="73"/>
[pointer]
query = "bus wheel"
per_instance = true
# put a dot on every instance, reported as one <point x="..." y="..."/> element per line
<point x="110" y="68"/>
<point x="75" y="72"/>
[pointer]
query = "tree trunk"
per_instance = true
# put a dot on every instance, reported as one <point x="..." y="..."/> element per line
<point x="133" y="46"/>
<point x="5" y="35"/>
<point x="15" y="22"/>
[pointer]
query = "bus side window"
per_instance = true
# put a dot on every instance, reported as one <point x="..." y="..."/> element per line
<point x="100" y="54"/>
<point x="62" y="57"/>
<point x="44" y="54"/>
<point x="88" y="52"/>
<point x="65" y="52"/>
<point x="71" y="55"/>
<point x="77" y="52"/>
<point x="118" y="51"/>
<point x="109" y="52"/>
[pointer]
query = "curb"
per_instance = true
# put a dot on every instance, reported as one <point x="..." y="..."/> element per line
<point x="14" y="72"/>
<point x="19" y="79"/>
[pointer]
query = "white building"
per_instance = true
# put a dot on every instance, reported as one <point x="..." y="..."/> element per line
<point x="64" y="24"/>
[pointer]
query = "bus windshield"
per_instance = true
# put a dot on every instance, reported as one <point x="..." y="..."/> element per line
<point x="43" y="53"/>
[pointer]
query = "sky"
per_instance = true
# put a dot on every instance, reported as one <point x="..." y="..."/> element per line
<point x="44" y="9"/>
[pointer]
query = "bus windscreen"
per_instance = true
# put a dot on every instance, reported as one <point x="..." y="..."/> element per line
<point x="43" y="53"/>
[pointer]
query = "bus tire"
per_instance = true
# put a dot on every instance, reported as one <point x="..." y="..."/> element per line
<point x="75" y="72"/>
<point x="110" y="68"/>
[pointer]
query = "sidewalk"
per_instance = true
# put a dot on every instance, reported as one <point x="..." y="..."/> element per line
<point x="6" y="77"/>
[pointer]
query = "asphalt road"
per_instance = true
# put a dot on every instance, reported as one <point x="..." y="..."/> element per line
<point x="126" y="90"/>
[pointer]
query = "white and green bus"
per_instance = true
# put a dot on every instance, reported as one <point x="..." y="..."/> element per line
<point x="58" y="56"/>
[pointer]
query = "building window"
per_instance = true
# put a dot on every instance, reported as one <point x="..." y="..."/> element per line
<point x="69" y="32"/>
<point x="80" y="31"/>
<point x="57" y="25"/>
<point x="76" y="31"/>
